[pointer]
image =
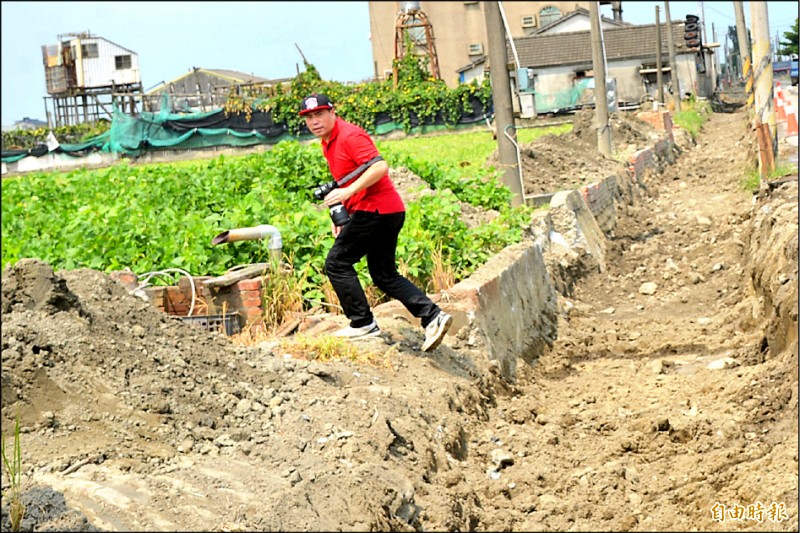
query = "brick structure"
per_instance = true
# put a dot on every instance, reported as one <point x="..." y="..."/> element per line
<point x="660" y="120"/>
<point x="243" y="297"/>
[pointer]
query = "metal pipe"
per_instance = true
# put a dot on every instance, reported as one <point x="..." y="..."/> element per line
<point x="519" y="156"/>
<point x="519" y="162"/>
<point x="253" y="234"/>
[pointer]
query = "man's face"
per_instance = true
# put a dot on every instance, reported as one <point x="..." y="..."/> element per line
<point x="320" y="122"/>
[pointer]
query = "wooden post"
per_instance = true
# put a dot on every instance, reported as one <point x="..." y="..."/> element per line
<point x="673" y="67"/>
<point x="659" y="74"/>
<point x="600" y="91"/>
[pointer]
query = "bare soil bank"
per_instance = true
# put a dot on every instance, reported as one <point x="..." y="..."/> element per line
<point x="656" y="406"/>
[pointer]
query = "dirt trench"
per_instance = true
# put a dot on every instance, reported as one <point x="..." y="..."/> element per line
<point x="670" y="395"/>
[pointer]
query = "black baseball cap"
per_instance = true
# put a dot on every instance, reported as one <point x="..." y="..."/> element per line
<point x="314" y="102"/>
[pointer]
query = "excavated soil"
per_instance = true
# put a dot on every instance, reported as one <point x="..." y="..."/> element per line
<point x="570" y="160"/>
<point x="670" y="394"/>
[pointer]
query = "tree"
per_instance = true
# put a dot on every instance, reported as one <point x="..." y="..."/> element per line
<point x="789" y="46"/>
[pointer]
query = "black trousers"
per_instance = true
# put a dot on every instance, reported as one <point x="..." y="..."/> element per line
<point x="375" y="236"/>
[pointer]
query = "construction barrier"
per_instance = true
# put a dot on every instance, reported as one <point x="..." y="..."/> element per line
<point x="791" y="120"/>
<point x="779" y="101"/>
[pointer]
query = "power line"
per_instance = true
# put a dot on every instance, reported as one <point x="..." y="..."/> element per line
<point x="707" y="6"/>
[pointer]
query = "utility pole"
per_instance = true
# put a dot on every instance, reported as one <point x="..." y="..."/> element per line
<point x="501" y="98"/>
<point x="600" y="92"/>
<point x="744" y="50"/>
<point x="762" y="69"/>
<point x="659" y="74"/>
<point x="715" y="59"/>
<point x="673" y="66"/>
<point x="728" y="65"/>
<point x="777" y="47"/>
<point x="702" y="21"/>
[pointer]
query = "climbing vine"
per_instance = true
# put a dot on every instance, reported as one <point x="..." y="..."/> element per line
<point x="417" y="99"/>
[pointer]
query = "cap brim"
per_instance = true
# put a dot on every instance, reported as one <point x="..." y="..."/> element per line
<point x="307" y="111"/>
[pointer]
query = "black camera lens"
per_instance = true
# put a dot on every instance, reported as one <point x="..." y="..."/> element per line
<point x="321" y="191"/>
<point x="339" y="215"/>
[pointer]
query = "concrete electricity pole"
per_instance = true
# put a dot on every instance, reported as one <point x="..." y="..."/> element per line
<point x="744" y="49"/>
<point x="716" y="62"/>
<point x="673" y="66"/>
<point x="762" y="68"/>
<point x="501" y="98"/>
<point x="659" y="74"/>
<point x="600" y="91"/>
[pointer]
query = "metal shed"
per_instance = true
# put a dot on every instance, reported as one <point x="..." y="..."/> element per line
<point x="85" y="74"/>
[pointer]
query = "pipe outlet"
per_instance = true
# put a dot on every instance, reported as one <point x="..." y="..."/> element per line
<point x="253" y="234"/>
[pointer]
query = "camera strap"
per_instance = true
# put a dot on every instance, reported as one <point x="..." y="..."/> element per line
<point x="360" y="170"/>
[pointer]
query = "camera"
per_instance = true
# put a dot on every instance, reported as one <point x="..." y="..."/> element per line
<point x="338" y="213"/>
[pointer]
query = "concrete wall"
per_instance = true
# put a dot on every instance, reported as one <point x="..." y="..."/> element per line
<point x="53" y="161"/>
<point x="512" y="300"/>
<point x="512" y="303"/>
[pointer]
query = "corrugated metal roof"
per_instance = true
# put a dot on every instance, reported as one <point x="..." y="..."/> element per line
<point x="118" y="46"/>
<point x="628" y="42"/>
<point x="235" y="75"/>
<point x="226" y="78"/>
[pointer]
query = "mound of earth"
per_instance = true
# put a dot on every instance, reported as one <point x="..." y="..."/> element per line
<point x="571" y="160"/>
<point x="669" y="395"/>
<point x="411" y="187"/>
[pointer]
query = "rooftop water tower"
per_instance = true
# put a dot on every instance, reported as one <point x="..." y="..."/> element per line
<point x="414" y="34"/>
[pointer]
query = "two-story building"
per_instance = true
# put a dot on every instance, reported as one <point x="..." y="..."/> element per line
<point x="459" y="29"/>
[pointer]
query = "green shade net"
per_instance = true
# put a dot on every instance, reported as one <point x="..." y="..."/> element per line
<point x="570" y="98"/>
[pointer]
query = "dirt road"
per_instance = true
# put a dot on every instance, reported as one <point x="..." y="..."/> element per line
<point x="668" y="402"/>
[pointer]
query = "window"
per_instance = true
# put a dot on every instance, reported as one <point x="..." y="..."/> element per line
<point x="529" y="21"/>
<point x="122" y="62"/>
<point x="88" y="51"/>
<point x="475" y="49"/>
<point x="549" y="14"/>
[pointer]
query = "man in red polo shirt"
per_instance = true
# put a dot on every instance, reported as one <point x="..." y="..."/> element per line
<point x="377" y="214"/>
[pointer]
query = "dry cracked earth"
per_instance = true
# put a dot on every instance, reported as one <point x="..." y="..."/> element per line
<point x="668" y="401"/>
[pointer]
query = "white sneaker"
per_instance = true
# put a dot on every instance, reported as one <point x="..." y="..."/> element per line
<point x="351" y="333"/>
<point x="435" y="331"/>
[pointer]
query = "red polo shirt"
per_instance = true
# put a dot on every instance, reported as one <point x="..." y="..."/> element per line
<point x="348" y="147"/>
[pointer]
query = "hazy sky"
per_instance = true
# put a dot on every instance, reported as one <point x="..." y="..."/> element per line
<point x="255" y="37"/>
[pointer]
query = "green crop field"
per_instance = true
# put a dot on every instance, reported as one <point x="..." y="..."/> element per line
<point x="158" y="216"/>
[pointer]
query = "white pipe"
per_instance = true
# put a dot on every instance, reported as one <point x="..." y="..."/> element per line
<point x="508" y="34"/>
<point x="139" y="291"/>
<point x="253" y="234"/>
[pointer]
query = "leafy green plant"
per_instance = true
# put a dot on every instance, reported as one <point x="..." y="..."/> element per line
<point x="281" y="295"/>
<point x="158" y="216"/>
<point x="693" y="115"/>
<point x="417" y="99"/>
<point x="18" y="139"/>
<point x="751" y="181"/>
<point x="13" y="468"/>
